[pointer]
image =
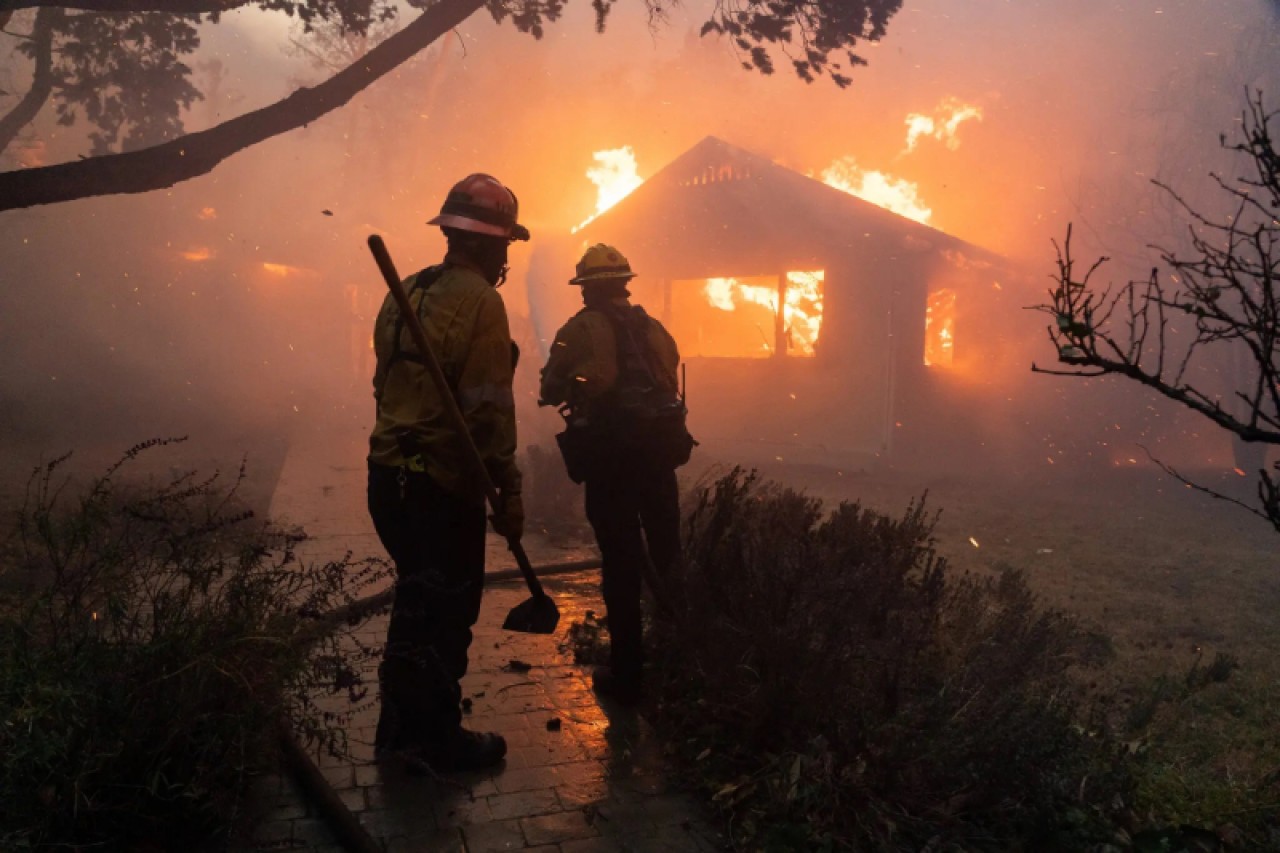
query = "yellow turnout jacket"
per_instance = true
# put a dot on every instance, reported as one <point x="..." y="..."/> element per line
<point x="466" y="324"/>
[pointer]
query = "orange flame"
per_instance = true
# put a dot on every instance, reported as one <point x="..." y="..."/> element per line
<point x="943" y="125"/>
<point x="939" y="328"/>
<point x="280" y="270"/>
<point x="615" y="177"/>
<point x="802" y="313"/>
<point x="895" y="194"/>
<point x="31" y="155"/>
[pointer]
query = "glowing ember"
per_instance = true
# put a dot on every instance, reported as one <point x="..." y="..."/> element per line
<point x="802" y="313"/>
<point x="203" y="253"/>
<point x="280" y="270"/>
<point x="974" y="542"/>
<point x="895" y="194"/>
<point x="943" y="125"/>
<point x="615" y="177"/>
<point x="31" y="155"/>
<point x="207" y="213"/>
<point x="939" y="328"/>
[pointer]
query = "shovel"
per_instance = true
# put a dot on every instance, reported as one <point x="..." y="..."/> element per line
<point x="539" y="614"/>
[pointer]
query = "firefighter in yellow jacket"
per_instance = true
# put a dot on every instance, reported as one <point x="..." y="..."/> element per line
<point x="429" y="515"/>
<point x="613" y="371"/>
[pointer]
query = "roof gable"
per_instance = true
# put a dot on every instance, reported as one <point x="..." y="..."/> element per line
<point x="722" y="208"/>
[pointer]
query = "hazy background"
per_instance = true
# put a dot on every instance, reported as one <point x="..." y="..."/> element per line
<point x="127" y="317"/>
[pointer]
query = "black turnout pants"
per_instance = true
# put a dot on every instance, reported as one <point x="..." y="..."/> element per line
<point x="437" y="541"/>
<point x="621" y="505"/>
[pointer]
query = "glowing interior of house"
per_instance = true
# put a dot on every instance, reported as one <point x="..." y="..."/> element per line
<point x="939" y="328"/>
<point x="738" y="317"/>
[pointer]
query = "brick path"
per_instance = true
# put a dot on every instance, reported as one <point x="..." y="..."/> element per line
<point x="579" y="776"/>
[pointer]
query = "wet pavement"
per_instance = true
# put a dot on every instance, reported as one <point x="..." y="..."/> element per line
<point x="580" y="774"/>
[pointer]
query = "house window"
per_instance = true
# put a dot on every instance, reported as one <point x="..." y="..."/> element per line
<point x="940" y="328"/>
<point x="738" y="317"/>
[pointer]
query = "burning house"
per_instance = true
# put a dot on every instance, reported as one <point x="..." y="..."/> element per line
<point x="813" y="323"/>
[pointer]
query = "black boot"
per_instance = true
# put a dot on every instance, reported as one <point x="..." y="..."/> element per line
<point x="406" y="704"/>
<point x="461" y="751"/>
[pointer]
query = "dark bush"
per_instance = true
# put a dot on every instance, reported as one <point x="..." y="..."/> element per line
<point x="152" y="639"/>
<point x="838" y="687"/>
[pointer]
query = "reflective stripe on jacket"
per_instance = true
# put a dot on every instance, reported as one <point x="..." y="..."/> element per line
<point x="583" y="363"/>
<point x="466" y="323"/>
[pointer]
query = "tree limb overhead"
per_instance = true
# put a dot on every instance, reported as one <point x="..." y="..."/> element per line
<point x="176" y="7"/>
<point x="195" y="154"/>
<point x="41" y="82"/>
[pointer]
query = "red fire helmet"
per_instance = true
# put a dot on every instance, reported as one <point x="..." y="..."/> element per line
<point x="481" y="204"/>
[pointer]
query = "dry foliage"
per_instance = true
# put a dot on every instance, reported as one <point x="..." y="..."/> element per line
<point x="839" y="688"/>
<point x="151" y="641"/>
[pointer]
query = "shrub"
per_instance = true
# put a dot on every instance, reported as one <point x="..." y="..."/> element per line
<point x="151" y="641"/>
<point x="840" y="688"/>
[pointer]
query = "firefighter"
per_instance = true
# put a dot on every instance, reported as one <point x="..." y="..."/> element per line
<point x="428" y="512"/>
<point x="612" y="371"/>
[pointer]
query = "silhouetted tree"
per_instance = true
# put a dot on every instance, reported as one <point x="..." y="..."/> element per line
<point x="120" y="64"/>
<point x="1216" y="303"/>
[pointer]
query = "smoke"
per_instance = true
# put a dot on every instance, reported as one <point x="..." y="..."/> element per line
<point x="240" y="302"/>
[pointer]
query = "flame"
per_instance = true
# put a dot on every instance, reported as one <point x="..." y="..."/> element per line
<point x="203" y="253"/>
<point x="939" y="328"/>
<point x="280" y="270"/>
<point x="802" y="313"/>
<point x="943" y="125"/>
<point x="31" y="155"/>
<point x="895" y="194"/>
<point x="615" y="177"/>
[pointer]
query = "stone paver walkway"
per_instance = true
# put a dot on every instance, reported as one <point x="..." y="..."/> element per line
<point x="579" y="776"/>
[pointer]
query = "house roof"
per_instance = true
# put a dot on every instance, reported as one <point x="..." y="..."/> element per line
<point x="720" y="210"/>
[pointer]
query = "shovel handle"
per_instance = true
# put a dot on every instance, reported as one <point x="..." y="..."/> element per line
<point x="452" y="413"/>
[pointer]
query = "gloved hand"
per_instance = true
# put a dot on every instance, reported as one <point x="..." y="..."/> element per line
<point x="508" y="520"/>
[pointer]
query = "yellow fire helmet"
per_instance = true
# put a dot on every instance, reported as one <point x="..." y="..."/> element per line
<point x="601" y="263"/>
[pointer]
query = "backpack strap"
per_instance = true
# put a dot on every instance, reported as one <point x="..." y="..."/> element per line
<point x="421" y="281"/>
<point x="424" y="280"/>
<point x="632" y="352"/>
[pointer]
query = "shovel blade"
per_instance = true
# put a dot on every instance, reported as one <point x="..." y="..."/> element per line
<point x="536" y="615"/>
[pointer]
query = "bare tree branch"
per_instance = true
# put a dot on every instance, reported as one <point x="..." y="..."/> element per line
<point x="196" y="154"/>
<point x="1268" y="492"/>
<point x="1225" y="291"/>
<point x="41" y="82"/>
